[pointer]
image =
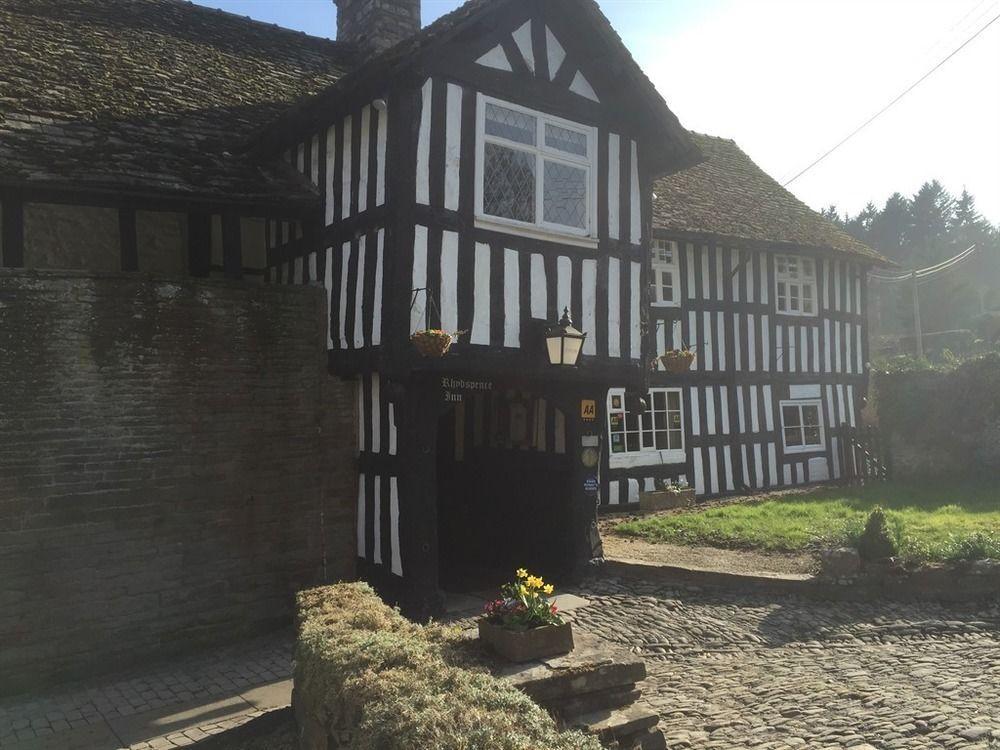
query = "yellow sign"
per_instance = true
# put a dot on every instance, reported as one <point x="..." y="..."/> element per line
<point x="588" y="410"/>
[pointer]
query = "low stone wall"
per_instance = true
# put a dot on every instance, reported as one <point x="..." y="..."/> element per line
<point x="967" y="582"/>
<point x="175" y="463"/>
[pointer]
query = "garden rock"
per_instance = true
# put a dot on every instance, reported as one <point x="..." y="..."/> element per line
<point x="984" y="567"/>
<point x="840" y="563"/>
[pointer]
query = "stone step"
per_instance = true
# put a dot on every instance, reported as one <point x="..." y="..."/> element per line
<point x="603" y="700"/>
<point x="617" y="725"/>
<point x="653" y="740"/>
<point x="592" y="667"/>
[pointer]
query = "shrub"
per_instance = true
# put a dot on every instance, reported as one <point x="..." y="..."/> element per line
<point x="950" y="411"/>
<point x="981" y="545"/>
<point x="877" y="541"/>
<point x="380" y="682"/>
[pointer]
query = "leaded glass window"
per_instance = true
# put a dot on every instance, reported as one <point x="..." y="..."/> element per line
<point x="536" y="169"/>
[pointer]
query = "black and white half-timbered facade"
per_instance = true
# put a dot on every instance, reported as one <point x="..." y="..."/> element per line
<point x="510" y="162"/>
<point x="771" y="298"/>
<point x="482" y="175"/>
<point x="481" y="178"/>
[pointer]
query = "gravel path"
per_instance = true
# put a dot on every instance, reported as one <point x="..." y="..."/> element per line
<point x="707" y="558"/>
<point x="751" y="671"/>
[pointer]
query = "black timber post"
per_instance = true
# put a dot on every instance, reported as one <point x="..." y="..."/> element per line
<point x="128" y="241"/>
<point x="199" y="243"/>
<point x="12" y="241"/>
<point x="232" y="246"/>
<point x="584" y="412"/>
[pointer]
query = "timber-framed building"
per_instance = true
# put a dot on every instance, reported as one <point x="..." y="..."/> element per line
<point x="482" y="175"/>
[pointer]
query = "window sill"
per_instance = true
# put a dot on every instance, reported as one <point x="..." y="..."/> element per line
<point x="781" y="314"/>
<point x="795" y="449"/>
<point x="665" y="304"/>
<point x="576" y="240"/>
<point x="645" y="458"/>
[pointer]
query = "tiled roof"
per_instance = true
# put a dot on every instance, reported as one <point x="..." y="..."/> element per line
<point x="728" y="195"/>
<point x="148" y="96"/>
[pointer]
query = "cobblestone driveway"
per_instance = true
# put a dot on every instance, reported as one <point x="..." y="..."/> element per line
<point x="732" y="671"/>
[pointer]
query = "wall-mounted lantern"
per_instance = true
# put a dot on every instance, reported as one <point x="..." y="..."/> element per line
<point x="564" y="342"/>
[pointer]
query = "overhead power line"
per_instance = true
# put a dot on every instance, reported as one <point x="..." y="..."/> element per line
<point x="894" y="101"/>
<point x="925" y="273"/>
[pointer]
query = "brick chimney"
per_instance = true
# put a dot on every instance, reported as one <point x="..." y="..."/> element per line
<point x="376" y="25"/>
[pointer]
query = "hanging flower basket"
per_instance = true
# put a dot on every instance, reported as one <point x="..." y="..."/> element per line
<point x="678" y="361"/>
<point x="432" y="342"/>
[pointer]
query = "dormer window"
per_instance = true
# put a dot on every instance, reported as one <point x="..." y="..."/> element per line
<point x="535" y="172"/>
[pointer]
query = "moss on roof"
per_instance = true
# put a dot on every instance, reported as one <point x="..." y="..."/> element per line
<point x="728" y="195"/>
<point x="156" y="95"/>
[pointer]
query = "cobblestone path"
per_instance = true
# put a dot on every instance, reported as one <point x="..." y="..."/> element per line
<point x="169" y="705"/>
<point x="758" y="671"/>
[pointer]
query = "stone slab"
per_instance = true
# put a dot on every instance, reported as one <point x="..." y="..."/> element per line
<point x="594" y="665"/>
<point x="177" y="718"/>
<point x="620" y="722"/>
<point x="273" y="695"/>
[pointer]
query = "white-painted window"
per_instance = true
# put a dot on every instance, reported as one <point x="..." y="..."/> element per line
<point x="534" y="172"/>
<point x="795" y="285"/>
<point x="802" y="426"/>
<point x="655" y="436"/>
<point x="666" y="276"/>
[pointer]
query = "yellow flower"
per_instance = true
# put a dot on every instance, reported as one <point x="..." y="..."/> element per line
<point x="522" y="573"/>
<point x="522" y="590"/>
<point x="549" y="589"/>
<point x="534" y="582"/>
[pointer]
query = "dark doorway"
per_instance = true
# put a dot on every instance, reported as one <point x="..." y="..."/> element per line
<point x="503" y="478"/>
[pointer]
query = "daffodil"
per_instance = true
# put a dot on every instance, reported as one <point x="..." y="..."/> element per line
<point x="549" y="589"/>
<point x="534" y="582"/>
<point x="522" y="573"/>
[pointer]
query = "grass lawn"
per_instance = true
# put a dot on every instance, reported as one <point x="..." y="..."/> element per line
<point x="931" y="522"/>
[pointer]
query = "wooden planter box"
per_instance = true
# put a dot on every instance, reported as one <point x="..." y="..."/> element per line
<point x="665" y="500"/>
<point x="527" y="645"/>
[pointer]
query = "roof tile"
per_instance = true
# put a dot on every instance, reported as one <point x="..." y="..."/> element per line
<point x="728" y="195"/>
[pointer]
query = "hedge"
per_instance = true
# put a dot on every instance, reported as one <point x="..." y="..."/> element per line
<point x="951" y="412"/>
<point x="376" y="681"/>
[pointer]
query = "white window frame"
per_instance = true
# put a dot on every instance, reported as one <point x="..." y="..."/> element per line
<point x="646" y="456"/>
<point x="799" y="403"/>
<point x="659" y="267"/>
<point x="540" y="229"/>
<point x="802" y="281"/>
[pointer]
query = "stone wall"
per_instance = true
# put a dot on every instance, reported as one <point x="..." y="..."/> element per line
<point x="175" y="463"/>
<point x="64" y="236"/>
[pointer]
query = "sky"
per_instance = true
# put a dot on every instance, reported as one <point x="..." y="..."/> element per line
<point x="788" y="79"/>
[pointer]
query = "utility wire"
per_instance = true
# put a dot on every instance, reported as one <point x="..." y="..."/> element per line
<point x="746" y="211"/>
<point x="888" y="106"/>
<point x="930" y="271"/>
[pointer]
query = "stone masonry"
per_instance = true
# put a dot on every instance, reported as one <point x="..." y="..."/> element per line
<point x="376" y="25"/>
<point x="175" y="462"/>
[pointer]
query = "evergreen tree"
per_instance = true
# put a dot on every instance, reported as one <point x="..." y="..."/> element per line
<point x="922" y="231"/>
<point x="931" y="214"/>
